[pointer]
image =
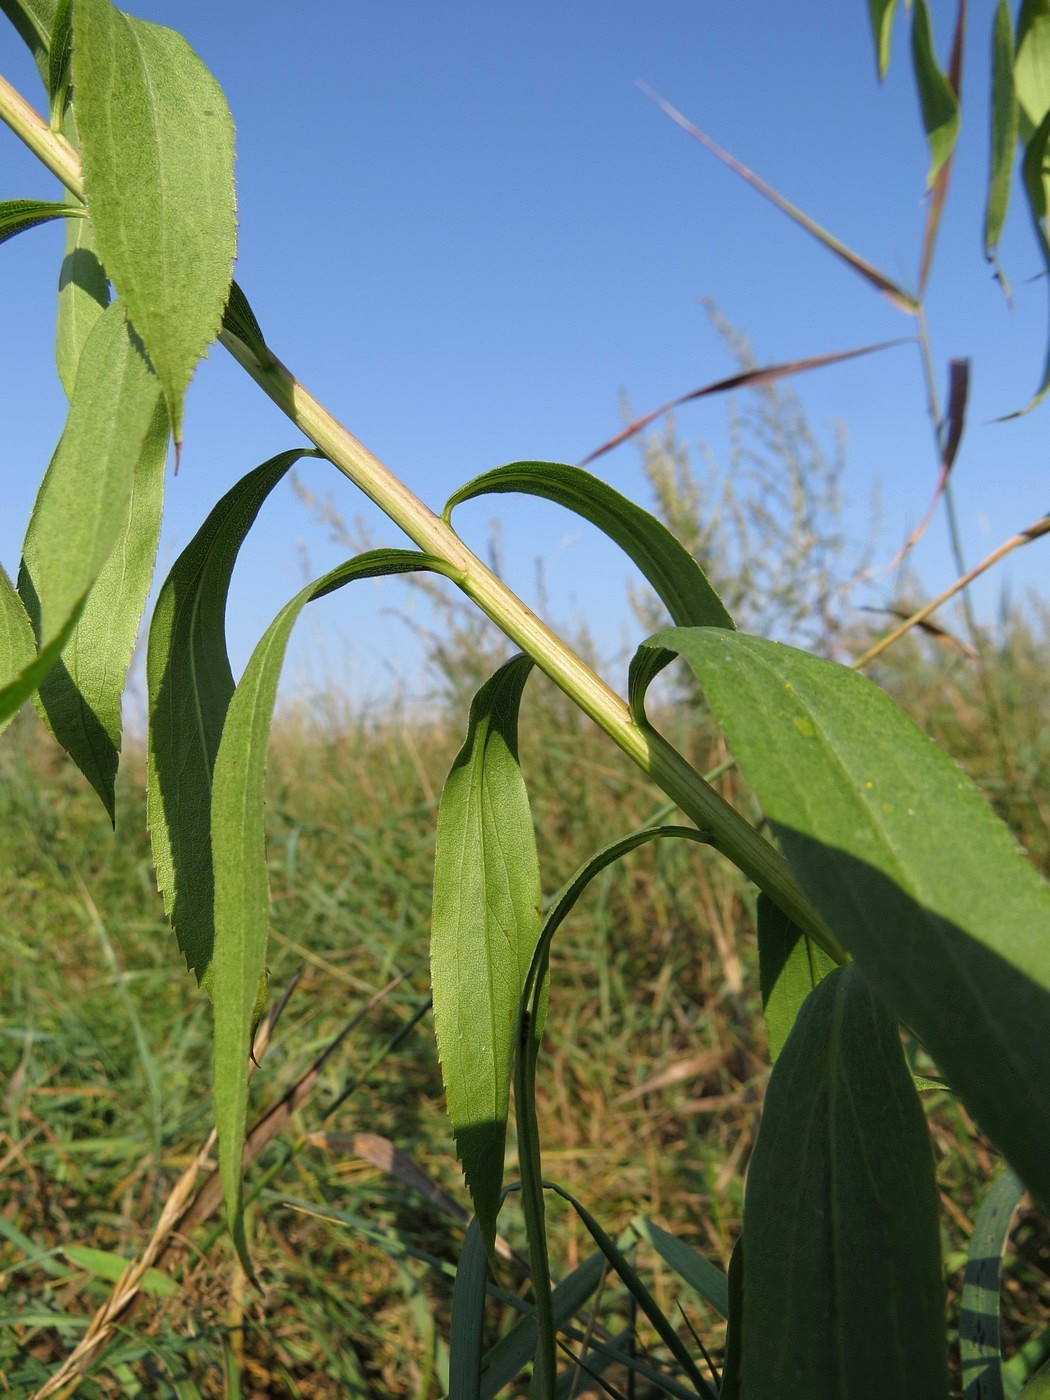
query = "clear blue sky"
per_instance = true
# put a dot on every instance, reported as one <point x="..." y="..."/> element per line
<point x="467" y="231"/>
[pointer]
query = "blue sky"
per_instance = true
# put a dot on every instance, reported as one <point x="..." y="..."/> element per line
<point x="467" y="231"/>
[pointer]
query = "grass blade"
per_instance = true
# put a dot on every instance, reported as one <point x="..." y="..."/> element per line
<point x="157" y="147"/>
<point x="16" y="215"/>
<point x="881" y="13"/>
<point x="486" y="922"/>
<point x="1004" y="136"/>
<point x="979" y="1351"/>
<point x="790" y="966"/>
<point x="903" y="300"/>
<point x="189" y="684"/>
<point x="468" y="1316"/>
<point x="703" y="1277"/>
<point x="939" y="104"/>
<point x="239" y="850"/>
<point x="912" y="871"/>
<point x="843" y="1298"/>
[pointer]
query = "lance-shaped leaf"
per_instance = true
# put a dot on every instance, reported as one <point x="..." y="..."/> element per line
<point x="156" y="141"/>
<point x="60" y="50"/>
<point x="939" y="104"/>
<point x="744" y="379"/>
<point x="486" y="921"/>
<point x="896" y="294"/>
<point x="924" y="886"/>
<point x="189" y="684"/>
<point x="1032" y="67"/>
<point x="843" y="1296"/>
<point x="881" y="13"/>
<point x="80" y="698"/>
<point x="979" y="1354"/>
<point x="34" y="20"/>
<point x="82" y="505"/>
<point x="790" y="966"/>
<point x="83" y="287"/>
<point x="1035" y="171"/>
<point x="1004" y="136"/>
<point x="926" y="67"/>
<point x="16" y="215"/>
<point x="241" y="890"/>
<point x="17" y="647"/>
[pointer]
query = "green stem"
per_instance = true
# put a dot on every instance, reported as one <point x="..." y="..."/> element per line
<point x="730" y="833"/>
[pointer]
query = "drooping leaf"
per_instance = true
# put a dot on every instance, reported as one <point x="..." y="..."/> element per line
<point x="16" y="215"/>
<point x="950" y="434"/>
<point x="790" y="966"/>
<point x="914" y="874"/>
<point x="745" y="379"/>
<point x="239" y="853"/>
<point x="34" y="20"/>
<point x="485" y="924"/>
<point x="1035" y="171"/>
<point x="1004" y="136"/>
<point x="979" y="1354"/>
<point x="82" y="504"/>
<point x="939" y="104"/>
<point x="1032" y="67"/>
<point x="156" y="142"/>
<point x="705" y="1278"/>
<point x="881" y="13"/>
<point x="890" y="289"/>
<point x="80" y="698"/>
<point x="189" y="684"/>
<point x="843" y="1298"/>
<point x="17" y="647"/>
<point x="940" y="182"/>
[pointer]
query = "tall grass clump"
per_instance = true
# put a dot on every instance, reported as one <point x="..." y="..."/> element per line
<point x="691" y="1045"/>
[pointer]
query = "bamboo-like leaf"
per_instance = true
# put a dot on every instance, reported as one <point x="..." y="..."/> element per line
<point x="486" y="921"/>
<point x="16" y="215"/>
<point x="80" y="699"/>
<point x="843" y="1297"/>
<point x="790" y="966"/>
<point x="940" y="182"/>
<point x="156" y="142"/>
<point x="745" y="379"/>
<point x="17" y="647"/>
<point x="82" y="504"/>
<point x="939" y="104"/>
<point x="915" y="876"/>
<point x="189" y="684"/>
<point x="896" y="294"/>
<point x="1004" y="136"/>
<point x="34" y="20"/>
<point x="881" y="13"/>
<point x="979" y="1354"/>
<point x="703" y="1277"/>
<point x="239" y="852"/>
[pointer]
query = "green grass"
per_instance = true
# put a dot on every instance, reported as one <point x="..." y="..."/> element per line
<point x="651" y="1082"/>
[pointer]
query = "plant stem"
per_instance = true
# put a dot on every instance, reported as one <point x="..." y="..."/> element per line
<point x="730" y="833"/>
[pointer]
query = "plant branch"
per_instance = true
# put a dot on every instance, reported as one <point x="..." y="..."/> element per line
<point x="730" y="833"/>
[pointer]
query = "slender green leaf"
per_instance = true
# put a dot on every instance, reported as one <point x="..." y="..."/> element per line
<point x="83" y="501"/>
<point x="979" y="1352"/>
<point x="730" y="1387"/>
<point x="239" y="318"/>
<point x="913" y="873"/>
<point x="22" y="686"/>
<point x="34" y="20"/>
<point x="468" y="1317"/>
<point x="189" y="684"/>
<point x="620" y="1264"/>
<point x="239" y="854"/>
<point x="881" y="13"/>
<point x="83" y="287"/>
<point x="516" y="1348"/>
<point x="1032" y="67"/>
<point x="17" y="647"/>
<point x="1038" y="1385"/>
<point x="486" y="921"/>
<point x="157" y="147"/>
<point x="790" y="966"/>
<point x="1004" y="135"/>
<point x="112" y="1268"/>
<point x="940" y="106"/>
<point x="843" y="1298"/>
<point x="940" y="181"/>
<point x="16" y="215"/>
<point x="703" y="1277"/>
<point x="80" y="698"/>
<point x="1035" y="171"/>
<point x="903" y="300"/>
